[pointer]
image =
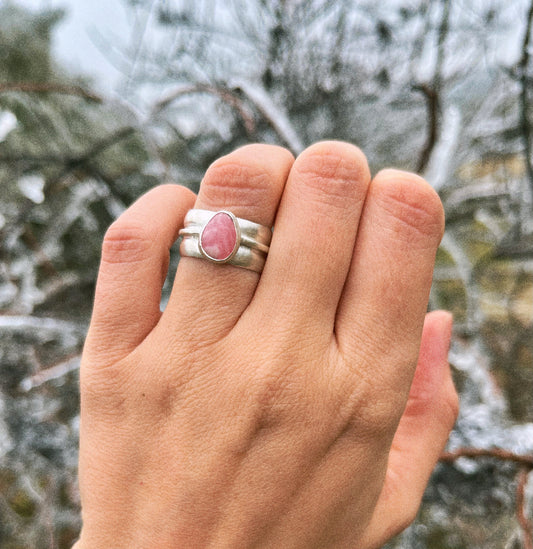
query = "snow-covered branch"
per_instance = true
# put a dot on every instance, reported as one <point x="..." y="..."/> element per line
<point x="274" y="114"/>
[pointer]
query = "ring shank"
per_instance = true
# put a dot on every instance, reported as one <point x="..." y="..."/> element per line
<point x="247" y="258"/>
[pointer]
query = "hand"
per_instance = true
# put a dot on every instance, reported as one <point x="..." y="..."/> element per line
<point x="275" y="410"/>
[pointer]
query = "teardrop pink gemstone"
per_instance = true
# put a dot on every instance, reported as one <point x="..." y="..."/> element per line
<point x="219" y="237"/>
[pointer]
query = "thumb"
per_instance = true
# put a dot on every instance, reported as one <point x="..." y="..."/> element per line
<point x="422" y="433"/>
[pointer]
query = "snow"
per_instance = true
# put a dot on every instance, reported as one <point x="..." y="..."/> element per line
<point x="8" y="122"/>
<point x="32" y="187"/>
<point x="275" y="114"/>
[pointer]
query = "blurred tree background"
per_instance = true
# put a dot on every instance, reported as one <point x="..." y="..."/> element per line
<point x="442" y="87"/>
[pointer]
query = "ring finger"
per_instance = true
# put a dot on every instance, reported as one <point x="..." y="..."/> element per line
<point x="249" y="183"/>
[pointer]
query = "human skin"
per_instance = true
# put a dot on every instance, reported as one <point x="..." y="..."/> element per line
<point x="301" y="408"/>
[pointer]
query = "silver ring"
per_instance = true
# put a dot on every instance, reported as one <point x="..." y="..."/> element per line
<point x="221" y="237"/>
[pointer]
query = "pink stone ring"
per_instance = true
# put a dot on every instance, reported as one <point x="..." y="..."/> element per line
<point x="220" y="237"/>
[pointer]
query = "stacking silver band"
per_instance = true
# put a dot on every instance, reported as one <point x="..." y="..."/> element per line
<point x="251" y="243"/>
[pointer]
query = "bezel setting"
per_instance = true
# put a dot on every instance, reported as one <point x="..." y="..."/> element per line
<point x="237" y="238"/>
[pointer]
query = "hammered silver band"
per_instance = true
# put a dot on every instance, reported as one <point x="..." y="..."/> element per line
<point x="252" y="240"/>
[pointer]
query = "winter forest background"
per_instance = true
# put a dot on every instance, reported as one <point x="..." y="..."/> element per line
<point x="443" y="87"/>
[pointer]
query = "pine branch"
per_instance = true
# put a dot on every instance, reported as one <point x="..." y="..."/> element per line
<point x="71" y="162"/>
<point x="38" y="87"/>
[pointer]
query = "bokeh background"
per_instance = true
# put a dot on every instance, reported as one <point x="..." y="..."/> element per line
<point x="442" y="87"/>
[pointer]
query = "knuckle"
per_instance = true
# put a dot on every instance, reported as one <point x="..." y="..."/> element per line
<point x="126" y="242"/>
<point x="232" y="181"/>
<point x="412" y="203"/>
<point x="373" y="417"/>
<point x="102" y="391"/>
<point x="445" y="402"/>
<point x="334" y="173"/>
<point x="285" y="388"/>
<point x="380" y="419"/>
<point x="277" y="399"/>
<point x="376" y="388"/>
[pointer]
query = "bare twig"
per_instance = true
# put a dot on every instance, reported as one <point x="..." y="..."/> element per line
<point x="138" y="37"/>
<point x="53" y="372"/>
<point x="443" y="35"/>
<point x="103" y="144"/>
<point x="497" y="453"/>
<point x="433" y="109"/>
<point x="523" y="521"/>
<point x="524" y="98"/>
<point x="29" y="238"/>
<point x="46" y="87"/>
<point x="273" y="114"/>
<point x="432" y="91"/>
<point x="222" y="93"/>
<point x="526" y="466"/>
<point x="22" y="323"/>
